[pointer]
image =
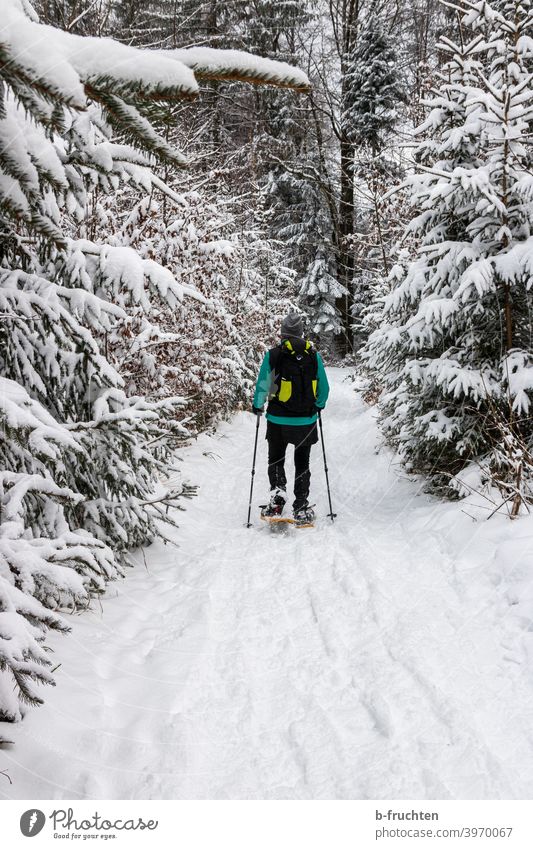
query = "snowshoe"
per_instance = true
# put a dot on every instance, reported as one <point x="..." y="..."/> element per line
<point x="304" y="517"/>
<point x="274" y="508"/>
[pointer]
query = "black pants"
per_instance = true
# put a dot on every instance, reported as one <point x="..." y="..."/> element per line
<point x="278" y="439"/>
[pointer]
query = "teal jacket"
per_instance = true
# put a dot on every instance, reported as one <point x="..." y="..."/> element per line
<point x="264" y="385"/>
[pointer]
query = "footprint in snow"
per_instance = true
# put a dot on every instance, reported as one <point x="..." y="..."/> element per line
<point x="379" y="712"/>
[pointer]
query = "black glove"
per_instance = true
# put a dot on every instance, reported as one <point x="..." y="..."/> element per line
<point x="317" y="409"/>
<point x="257" y="411"/>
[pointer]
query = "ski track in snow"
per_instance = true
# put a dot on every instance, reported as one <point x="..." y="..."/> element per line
<point x="373" y="658"/>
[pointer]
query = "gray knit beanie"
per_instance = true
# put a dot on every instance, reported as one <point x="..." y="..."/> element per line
<point x="292" y="325"/>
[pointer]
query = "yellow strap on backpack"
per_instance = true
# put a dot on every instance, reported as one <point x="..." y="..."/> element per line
<point x="289" y="347"/>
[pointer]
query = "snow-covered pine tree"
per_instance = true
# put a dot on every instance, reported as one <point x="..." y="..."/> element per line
<point x="70" y="492"/>
<point x="82" y="460"/>
<point x="272" y="131"/>
<point x="374" y="89"/>
<point x="455" y="345"/>
<point x="319" y="291"/>
<point x="374" y="94"/>
<point x="301" y="220"/>
<point x="301" y="202"/>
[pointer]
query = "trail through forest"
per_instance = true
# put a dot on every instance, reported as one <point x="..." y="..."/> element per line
<point x="383" y="656"/>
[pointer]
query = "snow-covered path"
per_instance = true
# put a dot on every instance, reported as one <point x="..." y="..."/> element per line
<point x="384" y="656"/>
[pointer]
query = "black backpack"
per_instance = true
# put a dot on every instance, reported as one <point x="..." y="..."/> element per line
<point x="294" y="369"/>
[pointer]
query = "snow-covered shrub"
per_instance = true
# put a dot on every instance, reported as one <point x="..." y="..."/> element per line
<point x="207" y="347"/>
<point x="455" y="340"/>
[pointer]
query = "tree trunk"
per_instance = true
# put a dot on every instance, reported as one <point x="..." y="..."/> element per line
<point x="346" y="27"/>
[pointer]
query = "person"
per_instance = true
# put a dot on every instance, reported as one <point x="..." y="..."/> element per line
<point x="293" y="380"/>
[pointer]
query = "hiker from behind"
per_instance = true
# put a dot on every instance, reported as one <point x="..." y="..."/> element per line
<point x="293" y="381"/>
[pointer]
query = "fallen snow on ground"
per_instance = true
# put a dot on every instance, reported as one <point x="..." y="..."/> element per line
<point x="389" y="655"/>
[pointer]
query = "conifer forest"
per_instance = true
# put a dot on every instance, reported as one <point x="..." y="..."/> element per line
<point x="176" y="178"/>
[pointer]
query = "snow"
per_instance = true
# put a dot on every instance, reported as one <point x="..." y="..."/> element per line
<point x="208" y="62"/>
<point x="12" y="194"/>
<point x="389" y="655"/>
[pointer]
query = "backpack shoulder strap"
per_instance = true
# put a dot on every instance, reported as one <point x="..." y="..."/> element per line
<point x="311" y="350"/>
<point x="274" y="357"/>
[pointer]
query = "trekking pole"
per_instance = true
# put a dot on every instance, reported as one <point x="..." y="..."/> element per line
<point x="248" y="523"/>
<point x="331" y="514"/>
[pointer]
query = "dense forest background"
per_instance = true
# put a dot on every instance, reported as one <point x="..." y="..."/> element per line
<point x="302" y="179"/>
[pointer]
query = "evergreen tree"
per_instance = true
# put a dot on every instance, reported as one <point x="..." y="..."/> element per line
<point x="302" y="222"/>
<point x="374" y="94"/>
<point x="374" y="89"/>
<point x="455" y="346"/>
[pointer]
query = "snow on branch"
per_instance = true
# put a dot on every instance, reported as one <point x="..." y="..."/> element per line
<point x="64" y="62"/>
<point x="212" y="64"/>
